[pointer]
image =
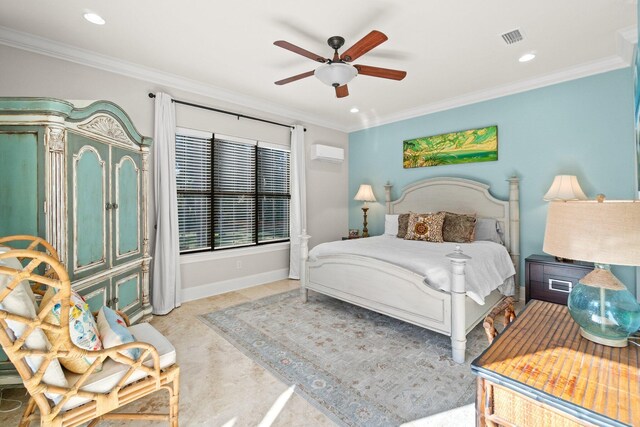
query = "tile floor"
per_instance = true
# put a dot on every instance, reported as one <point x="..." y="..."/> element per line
<point x="222" y="387"/>
<point x="219" y="385"/>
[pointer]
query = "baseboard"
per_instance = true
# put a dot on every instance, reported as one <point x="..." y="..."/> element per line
<point x="217" y="288"/>
<point x="522" y="293"/>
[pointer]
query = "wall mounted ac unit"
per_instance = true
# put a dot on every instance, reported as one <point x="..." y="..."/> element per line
<point x="327" y="153"/>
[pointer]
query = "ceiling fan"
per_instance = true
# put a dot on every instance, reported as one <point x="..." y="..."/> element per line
<point x="337" y="72"/>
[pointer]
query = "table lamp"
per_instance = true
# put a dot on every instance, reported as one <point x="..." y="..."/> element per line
<point x="365" y="194"/>
<point x="602" y="232"/>
<point x="565" y="187"/>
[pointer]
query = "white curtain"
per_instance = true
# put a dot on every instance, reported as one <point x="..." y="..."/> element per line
<point x="165" y="294"/>
<point x="298" y="212"/>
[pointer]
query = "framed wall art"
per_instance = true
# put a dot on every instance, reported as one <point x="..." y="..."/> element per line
<point x="467" y="146"/>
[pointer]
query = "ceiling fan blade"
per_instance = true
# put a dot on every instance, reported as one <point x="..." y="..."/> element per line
<point x="364" y="45"/>
<point x="300" y="51"/>
<point x="294" y="78"/>
<point x="342" y="91"/>
<point x="385" y="73"/>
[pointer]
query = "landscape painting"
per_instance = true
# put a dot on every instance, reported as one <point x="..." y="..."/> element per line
<point x="467" y="146"/>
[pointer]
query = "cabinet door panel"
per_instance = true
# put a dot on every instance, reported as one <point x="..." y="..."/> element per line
<point x="22" y="178"/>
<point x="127" y="195"/>
<point x="97" y="294"/>
<point x="127" y="288"/>
<point x="89" y="184"/>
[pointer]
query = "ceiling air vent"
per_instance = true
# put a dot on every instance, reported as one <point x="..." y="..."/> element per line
<point x="512" y="37"/>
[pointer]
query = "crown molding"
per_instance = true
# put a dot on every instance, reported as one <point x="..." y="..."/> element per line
<point x="626" y="39"/>
<point x="584" y="70"/>
<point x="48" y="47"/>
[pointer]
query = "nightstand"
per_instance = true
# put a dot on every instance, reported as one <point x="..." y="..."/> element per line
<point x="541" y="372"/>
<point x="549" y="280"/>
<point x="349" y="238"/>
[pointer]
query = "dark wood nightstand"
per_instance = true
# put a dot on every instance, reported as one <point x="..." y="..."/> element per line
<point x="549" y="280"/>
<point x="349" y="238"/>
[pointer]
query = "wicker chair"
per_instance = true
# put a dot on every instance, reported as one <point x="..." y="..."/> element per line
<point x="74" y="405"/>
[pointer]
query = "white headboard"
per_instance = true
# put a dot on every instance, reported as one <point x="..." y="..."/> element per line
<point x="464" y="196"/>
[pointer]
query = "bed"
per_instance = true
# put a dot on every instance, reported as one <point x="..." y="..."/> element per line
<point x="403" y="294"/>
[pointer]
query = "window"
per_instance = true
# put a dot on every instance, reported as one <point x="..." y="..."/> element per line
<point x="231" y="192"/>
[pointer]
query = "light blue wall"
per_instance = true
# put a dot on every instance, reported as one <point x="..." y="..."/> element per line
<point x="583" y="127"/>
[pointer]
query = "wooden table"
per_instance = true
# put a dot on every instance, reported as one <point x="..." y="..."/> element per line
<point x="540" y="371"/>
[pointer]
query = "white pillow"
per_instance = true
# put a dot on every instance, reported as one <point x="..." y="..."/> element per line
<point x="488" y="229"/>
<point x="20" y="302"/>
<point x="391" y="225"/>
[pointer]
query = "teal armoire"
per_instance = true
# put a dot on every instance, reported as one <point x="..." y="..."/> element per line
<point x="77" y="175"/>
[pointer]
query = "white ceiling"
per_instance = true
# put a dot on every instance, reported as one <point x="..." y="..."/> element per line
<point x="452" y="50"/>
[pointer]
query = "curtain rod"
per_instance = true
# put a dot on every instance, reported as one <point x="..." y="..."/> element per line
<point x="231" y="113"/>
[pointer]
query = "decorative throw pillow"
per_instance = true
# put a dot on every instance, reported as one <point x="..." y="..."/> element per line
<point x="488" y="229"/>
<point x="391" y="225"/>
<point x="113" y="331"/>
<point x="82" y="329"/>
<point x="458" y="228"/>
<point x="425" y="227"/>
<point x="403" y="223"/>
<point x="20" y="301"/>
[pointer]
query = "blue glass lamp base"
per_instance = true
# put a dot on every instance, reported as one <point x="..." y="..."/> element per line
<point x="611" y="342"/>
<point x="603" y="307"/>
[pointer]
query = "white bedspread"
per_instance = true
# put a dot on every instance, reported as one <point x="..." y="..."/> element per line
<point x="489" y="268"/>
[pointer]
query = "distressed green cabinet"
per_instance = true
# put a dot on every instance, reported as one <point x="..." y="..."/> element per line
<point x="77" y="175"/>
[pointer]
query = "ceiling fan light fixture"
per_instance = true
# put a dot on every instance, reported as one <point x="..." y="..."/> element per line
<point x="336" y="74"/>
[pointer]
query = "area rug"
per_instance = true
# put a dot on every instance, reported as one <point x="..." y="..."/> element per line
<point x="359" y="367"/>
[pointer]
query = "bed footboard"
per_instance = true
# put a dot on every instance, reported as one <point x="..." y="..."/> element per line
<point x="366" y="282"/>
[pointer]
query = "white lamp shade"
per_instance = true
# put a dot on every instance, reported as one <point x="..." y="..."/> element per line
<point x="335" y="74"/>
<point x="605" y="233"/>
<point x="565" y="187"/>
<point x="365" y="194"/>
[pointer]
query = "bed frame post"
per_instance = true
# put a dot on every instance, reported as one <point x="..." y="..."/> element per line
<point x="387" y="196"/>
<point x="304" y="255"/>
<point x="514" y="229"/>
<point x="458" y="294"/>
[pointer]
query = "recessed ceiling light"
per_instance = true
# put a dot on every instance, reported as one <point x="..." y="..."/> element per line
<point x="94" y="18"/>
<point x="354" y="110"/>
<point x="527" y="57"/>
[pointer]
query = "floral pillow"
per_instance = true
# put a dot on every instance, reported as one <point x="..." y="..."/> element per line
<point x="458" y="228"/>
<point x="82" y="329"/>
<point x="426" y="227"/>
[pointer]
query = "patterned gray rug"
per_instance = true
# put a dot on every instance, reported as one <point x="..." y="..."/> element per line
<point x="358" y="367"/>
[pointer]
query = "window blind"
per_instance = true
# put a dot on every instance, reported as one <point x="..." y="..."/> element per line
<point x="234" y="184"/>
<point x="231" y="192"/>
<point x="193" y="182"/>
<point x="273" y="193"/>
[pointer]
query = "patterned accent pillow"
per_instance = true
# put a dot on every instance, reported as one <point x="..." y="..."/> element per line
<point x="458" y="228"/>
<point x="82" y="329"/>
<point x="425" y="227"/>
<point x="403" y="223"/>
<point x="113" y="331"/>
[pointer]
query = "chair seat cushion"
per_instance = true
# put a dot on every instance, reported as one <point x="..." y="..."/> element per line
<point x="112" y="372"/>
